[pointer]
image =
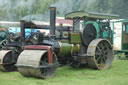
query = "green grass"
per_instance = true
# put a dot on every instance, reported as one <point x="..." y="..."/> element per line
<point x="116" y="75"/>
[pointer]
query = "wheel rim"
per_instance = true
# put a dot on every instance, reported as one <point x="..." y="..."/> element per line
<point x="102" y="54"/>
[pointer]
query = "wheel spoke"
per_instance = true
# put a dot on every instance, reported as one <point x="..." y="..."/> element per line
<point x="44" y="62"/>
<point x="98" y="49"/>
<point x="98" y="58"/>
<point x="97" y="53"/>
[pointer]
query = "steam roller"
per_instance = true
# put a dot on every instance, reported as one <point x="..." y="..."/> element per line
<point x="8" y="52"/>
<point x="90" y="45"/>
<point x="6" y="63"/>
<point x="4" y="59"/>
<point x="39" y="63"/>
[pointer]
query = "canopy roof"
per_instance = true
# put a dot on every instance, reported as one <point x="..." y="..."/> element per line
<point x="123" y="20"/>
<point x="80" y="14"/>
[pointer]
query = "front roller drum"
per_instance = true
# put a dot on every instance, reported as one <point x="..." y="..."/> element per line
<point x="6" y="61"/>
<point x="34" y="63"/>
<point x="100" y="54"/>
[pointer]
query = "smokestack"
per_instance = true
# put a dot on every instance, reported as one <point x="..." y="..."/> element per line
<point x="52" y="22"/>
<point x="22" y="30"/>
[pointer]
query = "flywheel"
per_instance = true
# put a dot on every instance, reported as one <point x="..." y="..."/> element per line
<point x="100" y="54"/>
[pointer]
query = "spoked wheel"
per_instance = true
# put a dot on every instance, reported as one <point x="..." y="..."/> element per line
<point x="49" y="71"/>
<point x="101" y="54"/>
<point x="6" y="63"/>
<point x="34" y="63"/>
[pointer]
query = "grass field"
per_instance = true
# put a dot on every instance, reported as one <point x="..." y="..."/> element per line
<point x="116" y="75"/>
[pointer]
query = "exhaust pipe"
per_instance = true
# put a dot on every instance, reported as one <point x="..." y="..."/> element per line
<point x="22" y="30"/>
<point x="52" y="22"/>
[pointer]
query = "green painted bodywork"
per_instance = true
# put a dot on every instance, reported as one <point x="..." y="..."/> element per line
<point x="67" y="49"/>
<point x="65" y="41"/>
<point x="73" y="45"/>
<point x="3" y="35"/>
<point x="96" y="25"/>
<point x="75" y="38"/>
<point x="125" y="46"/>
<point x="75" y="48"/>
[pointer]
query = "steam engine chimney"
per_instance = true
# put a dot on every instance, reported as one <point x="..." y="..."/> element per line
<point x="22" y="22"/>
<point x="52" y="22"/>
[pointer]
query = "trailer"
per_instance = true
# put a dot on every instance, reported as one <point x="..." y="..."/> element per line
<point x="120" y="37"/>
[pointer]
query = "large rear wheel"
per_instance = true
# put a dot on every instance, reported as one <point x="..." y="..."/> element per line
<point x="100" y="54"/>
